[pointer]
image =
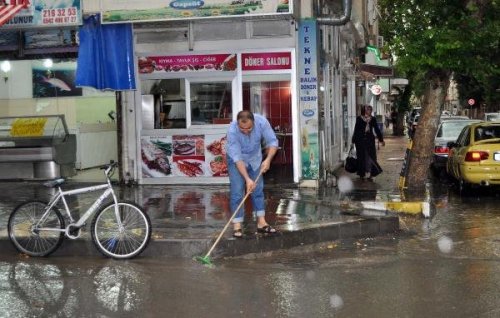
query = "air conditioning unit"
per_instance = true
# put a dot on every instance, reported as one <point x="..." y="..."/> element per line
<point x="380" y="41"/>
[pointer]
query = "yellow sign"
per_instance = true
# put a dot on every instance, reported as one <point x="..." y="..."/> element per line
<point x="28" y="127"/>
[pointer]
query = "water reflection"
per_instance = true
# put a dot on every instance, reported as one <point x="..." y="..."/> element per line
<point x="39" y="289"/>
<point x="121" y="288"/>
<point x="207" y="205"/>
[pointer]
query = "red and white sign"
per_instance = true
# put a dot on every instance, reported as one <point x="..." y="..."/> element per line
<point x="376" y="89"/>
<point x="7" y="11"/>
<point x="60" y="16"/>
<point x="471" y="101"/>
<point x="187" y="63"/>
<point x="266" y="61"/>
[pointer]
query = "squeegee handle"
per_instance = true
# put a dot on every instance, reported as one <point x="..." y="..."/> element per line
<point x="232" y="217"/>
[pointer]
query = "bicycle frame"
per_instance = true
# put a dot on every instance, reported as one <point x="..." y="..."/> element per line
<point x="60" y="195"/>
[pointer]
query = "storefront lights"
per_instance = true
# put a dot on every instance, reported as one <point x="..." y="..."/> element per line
<point x="48" y="63"/>
<point x="5" y="66"/>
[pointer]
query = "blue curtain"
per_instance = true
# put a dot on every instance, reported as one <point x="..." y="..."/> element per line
<point x="105" y="55"/>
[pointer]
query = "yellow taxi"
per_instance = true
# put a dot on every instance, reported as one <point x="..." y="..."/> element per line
<point x="474" y="158"/>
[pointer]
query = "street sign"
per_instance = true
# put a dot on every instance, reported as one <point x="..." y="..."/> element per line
<point x="376" y="89"/>
<point x="471" y="101"/>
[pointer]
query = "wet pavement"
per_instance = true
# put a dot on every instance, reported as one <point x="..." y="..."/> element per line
<point x="186" y="219"/>
<point x="445" y="266"/>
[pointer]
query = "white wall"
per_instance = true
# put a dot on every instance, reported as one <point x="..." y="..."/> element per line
<point x="16" y="99"/>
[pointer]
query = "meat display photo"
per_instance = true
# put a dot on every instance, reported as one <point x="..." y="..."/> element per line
<point x="218" y="162"/>
<point x="155" y="157"/>
<point x="184" y="156"/>
<point x="189" y="155"/>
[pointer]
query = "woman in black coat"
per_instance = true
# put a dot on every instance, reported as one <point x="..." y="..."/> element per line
<point x="364" y="139"/>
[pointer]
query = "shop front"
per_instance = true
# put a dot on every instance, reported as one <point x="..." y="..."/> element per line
<point x="188" y="100"/>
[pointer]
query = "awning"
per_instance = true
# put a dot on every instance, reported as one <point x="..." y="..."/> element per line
<point x="9" y="10"/>
<point x="377" y="70"/>
<point x="105" y="55"/>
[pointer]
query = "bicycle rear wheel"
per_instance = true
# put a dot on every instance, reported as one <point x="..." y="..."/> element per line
<point x="127" y="242"/>
<point x="25" y="234"/>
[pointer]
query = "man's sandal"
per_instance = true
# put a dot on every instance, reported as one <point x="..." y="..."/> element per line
<point x="238" y="233"/>
<point x="267" y="229"/>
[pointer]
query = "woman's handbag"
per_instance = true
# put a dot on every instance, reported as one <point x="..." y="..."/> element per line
<point x="351" y="162"/>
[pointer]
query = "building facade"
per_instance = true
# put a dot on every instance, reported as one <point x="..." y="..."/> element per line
<point x="305" y="65"/>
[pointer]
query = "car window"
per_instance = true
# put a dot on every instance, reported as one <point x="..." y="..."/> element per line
<point x="461" y="138"/>
<point x="451" y="129"/>
<point x="486" y="132"/>
<point x="467" y="137"/>
<point x="492" y="117"/>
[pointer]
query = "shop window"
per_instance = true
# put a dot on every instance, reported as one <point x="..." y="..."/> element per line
<point x="211" y="103"/>
<point x="163" y="104"/>
<point x="270" y="96"/>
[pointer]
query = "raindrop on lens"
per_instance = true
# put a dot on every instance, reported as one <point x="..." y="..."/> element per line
<point x="310" y="275"/>
<point x="445" y="244"/>
<point x="336" y="301"/>
<point x="345" y="184"/>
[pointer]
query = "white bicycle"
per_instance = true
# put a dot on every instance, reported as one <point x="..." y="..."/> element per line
<point x="119" y="230"/>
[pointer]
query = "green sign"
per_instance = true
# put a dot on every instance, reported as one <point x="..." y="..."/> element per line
<point x="154" y="10"/>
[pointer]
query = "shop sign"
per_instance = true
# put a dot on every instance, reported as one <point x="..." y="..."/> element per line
<point x="47" y="13"/>
<point x="308" y="99"/>
<point x="184" y="156"/>
<point x="113" y="11"/>
<point x="266" y="61"/>
<point x="187" y="63"/>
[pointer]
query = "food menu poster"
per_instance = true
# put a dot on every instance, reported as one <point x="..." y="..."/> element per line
<point x="116" y="11"/>
<point x="184" y="156"/>
<point x="47" y="13"/>
<point x="187" y="63"/>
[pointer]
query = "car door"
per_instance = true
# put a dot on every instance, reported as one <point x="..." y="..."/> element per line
<point x="454" y="155"/>
<point x="462" y="149"/>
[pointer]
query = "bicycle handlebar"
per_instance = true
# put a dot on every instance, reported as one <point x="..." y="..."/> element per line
<point x="109" y="167"/>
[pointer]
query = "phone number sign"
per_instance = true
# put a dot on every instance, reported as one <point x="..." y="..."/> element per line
<point x="46" y="13"/>
<point x="59" y="16"/>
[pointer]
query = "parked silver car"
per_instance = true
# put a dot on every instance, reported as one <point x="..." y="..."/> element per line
<point x="452" y="117"/>
<point x="492" y="116"/>
<point x="448" y="130"/>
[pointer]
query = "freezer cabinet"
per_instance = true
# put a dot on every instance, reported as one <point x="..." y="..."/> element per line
<point x="36" y="147"/>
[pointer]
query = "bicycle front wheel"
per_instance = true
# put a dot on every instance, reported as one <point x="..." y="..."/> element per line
<point x="125" y="241"/>
<point x="30" y="234"/>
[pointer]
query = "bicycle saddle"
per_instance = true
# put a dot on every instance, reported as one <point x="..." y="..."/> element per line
<point x="54" y="183"/>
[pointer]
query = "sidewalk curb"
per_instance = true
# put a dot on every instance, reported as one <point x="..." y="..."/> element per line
<point x="228" y="247"/>
<point x="362" y="228"/>
<point x="413" y="208"/>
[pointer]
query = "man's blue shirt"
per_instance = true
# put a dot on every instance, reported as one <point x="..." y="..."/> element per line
<point x="249" y="147"/>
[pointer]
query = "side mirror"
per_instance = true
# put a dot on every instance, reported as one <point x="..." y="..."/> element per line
<point x="452" y="144"/>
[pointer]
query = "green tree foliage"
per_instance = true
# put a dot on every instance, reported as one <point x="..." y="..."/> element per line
<point x="432" y="39"/>
<point x="462" y="37"/>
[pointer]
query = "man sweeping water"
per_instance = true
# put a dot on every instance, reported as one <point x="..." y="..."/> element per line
<point x="245" y="138"/>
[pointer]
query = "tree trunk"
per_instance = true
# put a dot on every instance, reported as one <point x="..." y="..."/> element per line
<point x="399" y="131"/>
<point x="423" y="140"/>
